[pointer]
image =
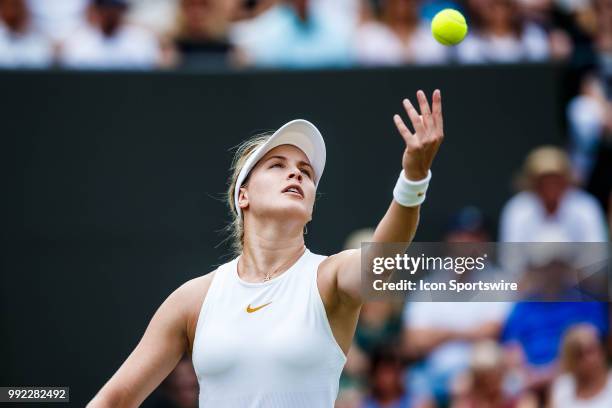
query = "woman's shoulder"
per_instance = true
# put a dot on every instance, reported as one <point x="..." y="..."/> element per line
<point x="329" y="266"/>
<point x="192" y="294"/>
<point x="196" y="285"/>
<point x="330" y="263"/>
<point x="195" y="289"/>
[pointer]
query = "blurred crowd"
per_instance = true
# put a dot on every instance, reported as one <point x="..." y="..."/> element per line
<point x="148" y="34"/>
<point x="434" y="354"/>
<point x="499" y="354"/>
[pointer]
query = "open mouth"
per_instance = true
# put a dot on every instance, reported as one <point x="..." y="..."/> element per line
<point x="294" y="189"/>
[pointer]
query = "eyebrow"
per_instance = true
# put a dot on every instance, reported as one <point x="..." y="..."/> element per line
<point x="301" y="162"/>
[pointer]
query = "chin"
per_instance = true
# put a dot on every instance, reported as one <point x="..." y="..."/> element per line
<point x="293" y="211"/>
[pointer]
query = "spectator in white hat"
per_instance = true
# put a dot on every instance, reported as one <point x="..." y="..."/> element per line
<point x="550" y="205"/>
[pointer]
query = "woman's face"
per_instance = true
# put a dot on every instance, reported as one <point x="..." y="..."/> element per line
<point x="280" y="185"/>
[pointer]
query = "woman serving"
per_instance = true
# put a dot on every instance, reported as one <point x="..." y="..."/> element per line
<point x="272" y="327"/>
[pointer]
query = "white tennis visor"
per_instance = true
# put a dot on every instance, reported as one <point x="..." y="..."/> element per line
<point x="300" y="133"/>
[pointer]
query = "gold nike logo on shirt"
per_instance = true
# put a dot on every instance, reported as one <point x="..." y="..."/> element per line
<point x="250" y="309"/>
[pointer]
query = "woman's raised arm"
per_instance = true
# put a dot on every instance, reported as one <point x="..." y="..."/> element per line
<point x="400" y="221"/>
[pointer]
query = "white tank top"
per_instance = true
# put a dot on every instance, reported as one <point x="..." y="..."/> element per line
<point x="268" y="344"/>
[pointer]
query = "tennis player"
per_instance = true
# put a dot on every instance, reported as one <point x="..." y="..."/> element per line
<point x="272" y="327"/>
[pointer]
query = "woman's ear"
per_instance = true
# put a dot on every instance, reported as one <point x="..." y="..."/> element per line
<point x="243" y="199"/>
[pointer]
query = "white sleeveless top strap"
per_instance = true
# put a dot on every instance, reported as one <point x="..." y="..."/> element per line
<point x="266" y="345"/>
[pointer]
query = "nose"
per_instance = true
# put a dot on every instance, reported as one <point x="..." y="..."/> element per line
<point x="295" y="173"/>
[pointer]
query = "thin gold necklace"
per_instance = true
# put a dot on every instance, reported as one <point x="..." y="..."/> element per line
<point x="269" y="275"/>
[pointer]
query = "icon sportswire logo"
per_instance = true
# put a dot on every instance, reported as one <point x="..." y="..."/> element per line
<point x="250" y="309"/>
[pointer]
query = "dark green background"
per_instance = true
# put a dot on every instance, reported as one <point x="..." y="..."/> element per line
<point x="112" y="185"/>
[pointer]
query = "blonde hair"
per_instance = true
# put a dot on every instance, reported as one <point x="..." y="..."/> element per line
<point x="235" y="228"/>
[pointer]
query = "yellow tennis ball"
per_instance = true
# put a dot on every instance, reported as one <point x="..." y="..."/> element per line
<point x="449" y="27"/>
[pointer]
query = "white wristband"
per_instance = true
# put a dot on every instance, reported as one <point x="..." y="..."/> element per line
<point x="410" y="193"/>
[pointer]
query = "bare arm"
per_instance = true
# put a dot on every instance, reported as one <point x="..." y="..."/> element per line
<point x="161" y="347"/>
<point x="399" y="223"/>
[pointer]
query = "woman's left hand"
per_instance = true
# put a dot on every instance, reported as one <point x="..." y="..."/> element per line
<point x="423" y="144"/>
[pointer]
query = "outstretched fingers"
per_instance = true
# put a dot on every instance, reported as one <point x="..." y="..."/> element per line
<point x="415" y="119"/>
<point x="425" y="112"/>
<point x="403" y="129"/>
<point x="437" y="112"/>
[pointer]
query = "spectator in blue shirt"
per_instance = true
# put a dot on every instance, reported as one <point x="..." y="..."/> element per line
<point x="535" y="328"/>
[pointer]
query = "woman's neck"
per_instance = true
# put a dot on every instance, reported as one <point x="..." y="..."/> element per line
<point x="269" y="250"/>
